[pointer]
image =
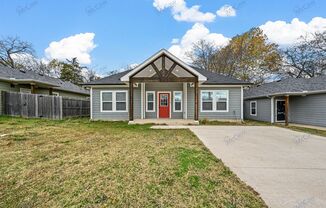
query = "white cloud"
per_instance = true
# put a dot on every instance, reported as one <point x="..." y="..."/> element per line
<point x="175" y="41"/>
<point x="79" y="46"/>
<point x="196" y="33"/>
<point x="226" y="11"/>
<point x="181" y="12"/>
<point x="284" y="33"/>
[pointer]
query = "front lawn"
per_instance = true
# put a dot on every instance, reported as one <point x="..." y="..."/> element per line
<point x="85" y="164"/>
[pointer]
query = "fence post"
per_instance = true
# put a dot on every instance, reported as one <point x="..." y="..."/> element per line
<point x="61" y="107"/>
<point x="81" y="108"/>
<point x="36" y="106"/>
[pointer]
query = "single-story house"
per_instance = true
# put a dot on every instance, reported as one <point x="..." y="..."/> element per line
<point x="14" y="80"/>
<point x="292" y="100"/>
<point x="165" y="87"/>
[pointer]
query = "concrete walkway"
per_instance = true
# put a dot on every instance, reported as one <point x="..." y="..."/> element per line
<point x="287" y="168"/>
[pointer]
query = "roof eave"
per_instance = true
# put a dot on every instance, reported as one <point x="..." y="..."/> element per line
<point x="287" y="94"/>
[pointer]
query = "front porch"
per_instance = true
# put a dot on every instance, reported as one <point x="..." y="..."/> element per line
<point x="167" y="122"/>
<point x="163" y="90"/>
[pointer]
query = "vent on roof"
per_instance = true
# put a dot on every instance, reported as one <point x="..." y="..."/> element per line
<point x="40" y="74"/>
<point x="22" y="70"/>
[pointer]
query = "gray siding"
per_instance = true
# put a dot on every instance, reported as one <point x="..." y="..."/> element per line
<point x="309" y="110"/>
<point x="137" y="102"/>
<point x="263" y="110"/>
<point x="234" y="112"/>
<point x="96" y="107"/>
<point x="191" y="102"/>
<point x="163" y="86"/>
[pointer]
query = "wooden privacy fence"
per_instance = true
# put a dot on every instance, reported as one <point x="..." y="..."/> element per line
<point x="43" y="106"/>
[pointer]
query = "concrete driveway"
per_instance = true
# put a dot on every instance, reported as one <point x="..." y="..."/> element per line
<point x="287" y="168"/>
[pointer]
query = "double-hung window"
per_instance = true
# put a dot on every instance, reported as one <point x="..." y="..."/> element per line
<point x="207" y="100"/>
<point x="221" y="99"/>
<point x="114" y="101"/>
<point x="253" y="108"/>
<point x="150" y="101"/>
<point x="214" y="100"/>
<point x="177" y="101"/>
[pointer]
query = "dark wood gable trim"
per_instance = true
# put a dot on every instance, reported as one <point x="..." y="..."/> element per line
<point x="165" y="75"/>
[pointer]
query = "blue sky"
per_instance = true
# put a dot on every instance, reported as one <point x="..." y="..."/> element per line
<point x="127" y="32"/>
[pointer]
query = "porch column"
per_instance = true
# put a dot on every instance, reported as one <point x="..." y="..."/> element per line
<point x="131" y="103"/>
<point x="196" y="100"/>
<point x="286" y="110"/>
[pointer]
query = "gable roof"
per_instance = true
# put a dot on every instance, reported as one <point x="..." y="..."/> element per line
<point x="287" y="87"/>
<point x="212" y="79"/>
<point x="125" y="78"/>
<point x="110" y="80"/>
<point x="205" y="76"/>
<point x="19" y="76"/>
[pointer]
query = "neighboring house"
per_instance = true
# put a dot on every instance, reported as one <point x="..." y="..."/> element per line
<point x="294" y="100"/>
<point x="165" y="87"/>
<point x="14" y="80"/>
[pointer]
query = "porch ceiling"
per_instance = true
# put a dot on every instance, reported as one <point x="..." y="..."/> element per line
<point x="164" y="66"/>
<point x="163" y="69"/>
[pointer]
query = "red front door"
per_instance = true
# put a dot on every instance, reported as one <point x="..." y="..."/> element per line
<point x="164" y="105"/>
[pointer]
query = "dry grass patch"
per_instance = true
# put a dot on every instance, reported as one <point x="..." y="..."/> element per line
<point x="94" y="164"/>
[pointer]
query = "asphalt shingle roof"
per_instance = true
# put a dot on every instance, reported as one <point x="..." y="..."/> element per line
<point x="290" y="85"/>
<point x="9" y="73"/>
<point x="212" y="78"/>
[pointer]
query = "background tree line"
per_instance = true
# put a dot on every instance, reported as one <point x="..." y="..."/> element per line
<point x="251" y="57"/>
<point x="18" y="54"/>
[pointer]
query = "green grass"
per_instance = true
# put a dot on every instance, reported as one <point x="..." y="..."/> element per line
<point x="77" y="163"/>
<point x="306" y="130"/>
<point x="234" y="123"/>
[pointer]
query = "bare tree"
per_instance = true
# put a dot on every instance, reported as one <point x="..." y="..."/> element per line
<point x="11" y="49"/>
<point x="307" y="59"/>
<point x="91" y="75"/>
<point x="202" y="53"/>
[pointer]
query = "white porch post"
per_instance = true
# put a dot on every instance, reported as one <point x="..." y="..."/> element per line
<point x="185" y="110"/>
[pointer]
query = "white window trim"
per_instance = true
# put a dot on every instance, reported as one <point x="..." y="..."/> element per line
<point x="214" y="101"/>
<point x="114" y="102"/>
<point x="150" y="92"/>
<point x="250" y="108"/>
<point x="174" y="110"/>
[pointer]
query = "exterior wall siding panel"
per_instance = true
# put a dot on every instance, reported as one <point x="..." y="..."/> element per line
<point x="309" y="110"/>
<point x="263" y="110"/>
<point x="96" y="105"/>
<point x="234" y="112"/>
